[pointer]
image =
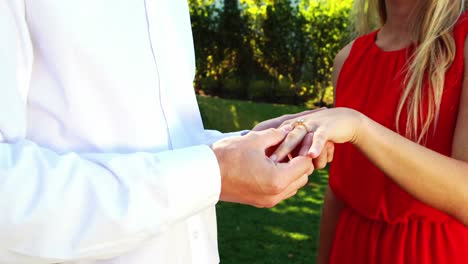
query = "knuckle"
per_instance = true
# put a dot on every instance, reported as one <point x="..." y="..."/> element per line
<point x="252" y="135"/>
<point x="275" y="187"/>
<point x="270" y="202"/>
<point x="330" y="157"/>
<point x="293" y="135"/>
<point x="320" y="136"/>
<point x="317" y="165"/>
<point x="258" y="204"/>
<point x="321" y="164"/>
<point x="305" y="180"/>
<point x="285" y="123"/>
<point x="271" y="171"/>
<point x="272" y="131"/>
<point x="257" y="201"/>
<point x="323" y="161"/>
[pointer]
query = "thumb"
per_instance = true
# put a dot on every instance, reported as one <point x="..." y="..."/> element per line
<point x="296" y="168"/>
<point x="272" y="136"/>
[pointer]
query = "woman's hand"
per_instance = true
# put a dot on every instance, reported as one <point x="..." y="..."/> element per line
<point x="320" y="162"/>
<point x="279" y="121"/>
<point x="316" y="130"/>
<point x="283" y="121"/>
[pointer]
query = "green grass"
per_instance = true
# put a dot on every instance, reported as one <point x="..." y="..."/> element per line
<point x="287" y="233"/>
<point x="232" y="115"/>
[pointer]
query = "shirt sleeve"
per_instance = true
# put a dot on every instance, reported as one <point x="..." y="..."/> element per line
<point x="63" y="207"/>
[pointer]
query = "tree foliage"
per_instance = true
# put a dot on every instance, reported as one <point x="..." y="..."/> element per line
<point x="268" y="50"/>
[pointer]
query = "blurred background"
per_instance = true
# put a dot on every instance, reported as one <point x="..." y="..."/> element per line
<point x="258" y="59"/>
<point x="271" y="51"/>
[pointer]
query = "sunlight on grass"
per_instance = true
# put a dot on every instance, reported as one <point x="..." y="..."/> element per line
<point x="231" y="115"/>
<point x="235" y="117"/>
<point x="294" y="209"/>
<point x="282" y="233"/>
<point x="313" y="200"/>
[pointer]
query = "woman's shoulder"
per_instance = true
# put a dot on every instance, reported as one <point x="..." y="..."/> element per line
<point x="463" y="19"/>
<point x="356" y="45"/>
<point x="359" y="43"/>
<point x="460" y="33"/>
<point x="461" y="26"/>
<point x="340" y="59"/>
<point x="343" y="54"/>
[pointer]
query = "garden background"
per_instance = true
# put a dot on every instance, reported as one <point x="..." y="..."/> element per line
<point x="258" y="59"/>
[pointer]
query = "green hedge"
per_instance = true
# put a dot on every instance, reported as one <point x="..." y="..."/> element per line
<point x="268" y="50"/>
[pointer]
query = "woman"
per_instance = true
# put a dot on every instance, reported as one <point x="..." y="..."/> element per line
<point x="399" y="187"/>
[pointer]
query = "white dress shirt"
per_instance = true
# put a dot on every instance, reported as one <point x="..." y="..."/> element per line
<point x="103" y="155"/>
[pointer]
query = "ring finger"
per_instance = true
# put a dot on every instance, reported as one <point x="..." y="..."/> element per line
<point x="290" y="142"/>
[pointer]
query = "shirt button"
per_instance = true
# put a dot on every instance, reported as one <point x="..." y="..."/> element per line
<point x="195" y="235"/>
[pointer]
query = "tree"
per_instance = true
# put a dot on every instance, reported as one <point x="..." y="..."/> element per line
<point x="328" y="26"/>
<point x="286" y="46"/>
<point x="203" y="15"/>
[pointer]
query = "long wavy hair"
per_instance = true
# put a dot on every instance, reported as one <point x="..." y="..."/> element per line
<point x="434" y="53"/>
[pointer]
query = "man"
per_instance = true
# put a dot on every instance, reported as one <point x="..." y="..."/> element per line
<point x="103" y="156"/>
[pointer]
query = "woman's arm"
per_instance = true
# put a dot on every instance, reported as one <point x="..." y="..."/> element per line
<point x="435" y="179"/>
<point x="460" y="142"/>
<point x="331" y="211"/>
<point x="332" y="206"/>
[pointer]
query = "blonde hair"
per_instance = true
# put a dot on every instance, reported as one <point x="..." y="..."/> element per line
<point x="435" y="51"/>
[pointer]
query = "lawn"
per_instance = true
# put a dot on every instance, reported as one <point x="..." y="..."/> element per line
<point x="231" y="115"/>
<point x="287" y="233"/>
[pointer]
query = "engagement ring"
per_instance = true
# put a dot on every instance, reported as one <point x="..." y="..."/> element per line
<point x="301" y="122"/>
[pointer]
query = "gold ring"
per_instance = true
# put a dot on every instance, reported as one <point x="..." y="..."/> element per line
<point x="301" y="122"/>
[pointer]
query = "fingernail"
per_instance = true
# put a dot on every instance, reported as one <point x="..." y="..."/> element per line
<point x="287" y="128"/>
<point x="274" y="157"/>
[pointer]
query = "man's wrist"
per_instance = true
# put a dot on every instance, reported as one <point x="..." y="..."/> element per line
<point x="219" y="151"/>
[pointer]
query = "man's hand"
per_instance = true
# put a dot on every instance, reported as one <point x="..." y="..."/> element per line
<point x="250" y="177"/>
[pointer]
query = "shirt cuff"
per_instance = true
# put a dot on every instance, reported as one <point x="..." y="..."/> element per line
<point x="193" y="180"/>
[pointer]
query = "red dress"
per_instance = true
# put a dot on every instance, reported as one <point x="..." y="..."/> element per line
<point x="381" y="222"/>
